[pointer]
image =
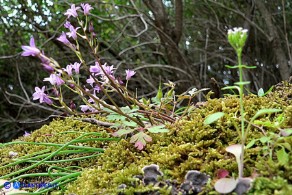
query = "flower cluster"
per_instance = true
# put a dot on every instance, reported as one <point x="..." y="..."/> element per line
<point x="101" y="77"/>
<point x="237" y="38"/>
<point x="96" y="84"/>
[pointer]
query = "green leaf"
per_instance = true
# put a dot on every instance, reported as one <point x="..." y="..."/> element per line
<point x="123" y="132"/>
<point x="159" y="94"/>
<point x="231" y="87"/>
<point x="129" y="124"/>
<point x="128" y="110"/>
<point x="213" y="117"/>
<point x="261" y="92"/>
<point x="286" y="145"/>
<point x="115" y="117"/>
<point x="265" y="139"/>
<point x="250" y="144"/>
<point x="286" y="132"/>
<point x="158" y="129"/>
<point x="242" y="83"/>
<point x="264" y="123"/>
<point x="282" y="156"/>
<point x="271" y="88"/>
<point x="265" y="111"/>
<point x="240" y="66"/>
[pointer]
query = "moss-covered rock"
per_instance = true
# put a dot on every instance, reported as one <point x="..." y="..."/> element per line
<point x="190" y="145"/>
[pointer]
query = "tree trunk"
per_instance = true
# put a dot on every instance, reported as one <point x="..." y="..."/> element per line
<point x="170" y="37"/>
<point x="275" y="40"/>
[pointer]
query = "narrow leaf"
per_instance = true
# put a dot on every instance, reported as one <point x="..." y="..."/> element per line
<point x="159" y="94"/>
<point x="242" y="83"/>
<point x="271" y="88"/>
<point x="265" y="111"/>
<point x="250" y="144"/>
<point x="231" y="87"/>
<point x="213" y="117"/>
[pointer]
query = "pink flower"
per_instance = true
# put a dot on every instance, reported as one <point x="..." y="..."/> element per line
<point x="86" y="8"/>
<point x="108" y="69"/>
<point x="72" y="11"/>
<point x="68" y="69"/>
<point x="129" y="74"/>
<point x="95" y="68"/>
<point x="84" y="108"/>
<point x="67" y="24"/>
<point x="26" y="134"/>
<point x="30" y="50"/>
<point x="76" y="67"/>
<point x="46" y="63"/>
<point x="55" y="80"/>
<point x="73" y="32"/>
<point x="40" y="94"/>
<point x="90" y="80"/>
<point x="96" y="89"/>
<point x="63" y="39"/>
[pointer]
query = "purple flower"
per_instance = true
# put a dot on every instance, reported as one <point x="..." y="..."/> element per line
<point x="72" y="11"/>
<point x="120" y="81"/>
<point x="96" y="89"/>
<point x="76" y="67"/>
<point x="30" y="50"/>
<point x="46" y="64"/>
<point x="67" y="24"/>
<point x="129" y="74"/>
<point x="63" y="39"/>
<point x="55" y="80"/>
<point x="95" y="69"/>
<point x="73" y="32"/>
<point x="108" y="69"/>
<point x="86" y="8"/>
<point x="68" y="69"/>
<point x="26" y="134"/>
<point x="84" y="108"/>
<point x="90" y="80"/>
<point x="40" y="94"/>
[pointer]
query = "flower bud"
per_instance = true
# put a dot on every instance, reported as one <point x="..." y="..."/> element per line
<point x="72" y="105"/>
<point x="90" y="28"/>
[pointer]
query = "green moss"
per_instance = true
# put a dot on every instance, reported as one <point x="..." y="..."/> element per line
<point x="53" y="133"/>
<point x="190" y="145"/>
<point x="276" y="185"/>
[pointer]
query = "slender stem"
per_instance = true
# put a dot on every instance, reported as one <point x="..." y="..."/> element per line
<point x="241" y="93"/>
<point x="46" y="158"/>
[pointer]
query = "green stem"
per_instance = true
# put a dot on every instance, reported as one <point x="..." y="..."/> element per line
<point x="58" y="145"/>
<point x="47" y="158"/>
<point x="241" y="93"/>
<point x="66" y="160"/>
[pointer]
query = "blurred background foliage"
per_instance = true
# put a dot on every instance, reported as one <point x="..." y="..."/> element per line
<point x="183" y="41"/>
